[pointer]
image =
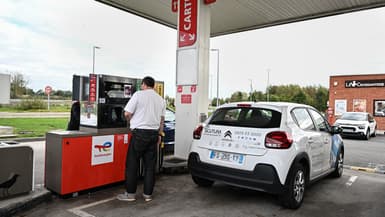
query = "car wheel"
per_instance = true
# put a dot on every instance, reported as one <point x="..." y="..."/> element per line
<point x="295" y="187"/>
<point x="367" y="135"/>
<point x="202" y="182"/>
<point x="339" y="166"/>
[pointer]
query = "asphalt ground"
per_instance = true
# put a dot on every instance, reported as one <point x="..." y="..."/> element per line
<point x="355" y="194"/>
<point x="359" y="192"/>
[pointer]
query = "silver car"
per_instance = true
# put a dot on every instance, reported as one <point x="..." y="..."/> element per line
<point x="360" y="124"/>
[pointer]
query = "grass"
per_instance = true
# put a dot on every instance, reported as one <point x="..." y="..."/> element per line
<point x="34" y="127"/>
<point x="54" y="108"/>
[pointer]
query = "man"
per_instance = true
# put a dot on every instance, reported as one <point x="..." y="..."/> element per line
<point x="145" y="112"/>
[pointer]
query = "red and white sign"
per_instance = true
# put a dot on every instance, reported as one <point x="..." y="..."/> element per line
<point x="92" y="92"/>
<point x="330" y="111"/>
<point x="174" y="6"/>
<point x="187" y="23"/>
<point x="186" y="99"/>
<point x="179" y="89"/>
<point x="48" y="90"/>
<point x="193" y="89"/>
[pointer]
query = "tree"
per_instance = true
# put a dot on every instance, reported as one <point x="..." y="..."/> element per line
<point x="238" y="96"/>
<point x="18" y="85"/>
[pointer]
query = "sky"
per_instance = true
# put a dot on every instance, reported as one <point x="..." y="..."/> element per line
<point x="49" y="41"/>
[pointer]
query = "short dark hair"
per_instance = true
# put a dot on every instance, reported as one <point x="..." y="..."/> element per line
<point x="148" y="81"/>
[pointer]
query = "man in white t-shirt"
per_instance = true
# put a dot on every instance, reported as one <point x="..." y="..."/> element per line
<point x="145" y="111"/>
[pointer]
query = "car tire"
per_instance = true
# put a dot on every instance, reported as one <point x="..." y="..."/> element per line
<point x="295" y="186"/>
<point x="339" y="165"/>
<point x="367" y="135"/>
<point x="202" y="182"/>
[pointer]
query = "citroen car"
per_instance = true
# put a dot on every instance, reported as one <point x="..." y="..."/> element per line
<point x="361" y="124"/>
<point x="275" y="147"/>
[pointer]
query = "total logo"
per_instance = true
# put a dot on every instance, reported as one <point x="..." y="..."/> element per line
<point x="104" y="148"/>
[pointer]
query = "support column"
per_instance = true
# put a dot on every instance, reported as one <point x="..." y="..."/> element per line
<point x="192" y="73"/>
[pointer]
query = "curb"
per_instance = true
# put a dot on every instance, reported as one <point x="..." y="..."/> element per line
<point x="365" y="169"/>
<point x="23" y="203"/>
<point x="18" y="140"/>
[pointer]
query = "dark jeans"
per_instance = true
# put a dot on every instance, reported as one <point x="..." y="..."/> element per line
<point x="142" y="145"/>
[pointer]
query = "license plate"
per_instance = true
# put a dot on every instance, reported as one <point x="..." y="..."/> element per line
<point x="226" y="156"/>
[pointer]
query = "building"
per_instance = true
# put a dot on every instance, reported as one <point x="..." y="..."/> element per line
<point x="365" y="93"/>
<point x="5" y="88"/>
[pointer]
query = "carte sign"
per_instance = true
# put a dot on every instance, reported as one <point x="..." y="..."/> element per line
<point x="187" y="23"/>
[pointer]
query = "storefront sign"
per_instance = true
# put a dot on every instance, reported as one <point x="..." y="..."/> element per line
<point x="364" y="83"/>
<point x="187" y="25"/>
<point x="102" y="149"/>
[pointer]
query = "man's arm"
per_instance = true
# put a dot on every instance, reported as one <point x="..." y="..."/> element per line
<point x="161" y="133"/>
<point x="128" y="116"/>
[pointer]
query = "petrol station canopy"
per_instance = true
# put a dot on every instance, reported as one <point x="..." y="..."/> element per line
<point x="231" y="16"/>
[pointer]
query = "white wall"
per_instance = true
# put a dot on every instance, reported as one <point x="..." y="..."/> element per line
<point x="5" y="88"/>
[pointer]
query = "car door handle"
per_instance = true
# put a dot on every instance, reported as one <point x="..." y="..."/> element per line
<point x="310" y="141"/>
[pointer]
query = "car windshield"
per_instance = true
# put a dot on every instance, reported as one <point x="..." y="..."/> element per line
<point x="246" y="117"/>
<point x="170" y="116"/>
<point x="354" y="116"/>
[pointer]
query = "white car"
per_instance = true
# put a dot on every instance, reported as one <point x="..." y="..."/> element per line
<point x="360" y="124"/>
<point x="268" y="146"/>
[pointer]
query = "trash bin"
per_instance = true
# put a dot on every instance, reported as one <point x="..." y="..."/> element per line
<point x="16" y="174"/>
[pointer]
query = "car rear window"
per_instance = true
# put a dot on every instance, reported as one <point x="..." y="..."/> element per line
<point x="246" y="117"/>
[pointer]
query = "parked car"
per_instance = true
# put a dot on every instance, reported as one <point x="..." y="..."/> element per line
<point x="274" y="147"/>
<point x="360" y="124"/>
<point x="169" y="131"/>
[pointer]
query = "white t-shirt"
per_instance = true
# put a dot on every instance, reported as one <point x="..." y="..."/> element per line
<point x="146" y="107"/>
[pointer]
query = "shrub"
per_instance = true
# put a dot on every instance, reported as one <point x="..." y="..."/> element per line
<point x="30" y="104"/>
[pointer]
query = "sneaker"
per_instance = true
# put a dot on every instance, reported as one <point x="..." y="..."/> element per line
<point x="126" y="197"/>
<point x="147" y="198"/>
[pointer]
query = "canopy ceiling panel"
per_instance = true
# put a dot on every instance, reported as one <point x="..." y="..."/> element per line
<point x="231" y="16"/>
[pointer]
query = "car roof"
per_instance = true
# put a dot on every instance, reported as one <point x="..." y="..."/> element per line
<point x="364" y="113"/>
<point x="276" y="105"/>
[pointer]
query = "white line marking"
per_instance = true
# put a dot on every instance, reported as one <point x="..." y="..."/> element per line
<point x="78" y="210"/>
<point x="352" y="179"/>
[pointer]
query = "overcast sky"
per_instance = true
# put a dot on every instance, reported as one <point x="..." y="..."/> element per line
<point x="49" y="41"/>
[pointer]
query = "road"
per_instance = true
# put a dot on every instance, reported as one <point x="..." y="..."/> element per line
<point x="363" y="153"/>
<point x="355" y="194"/>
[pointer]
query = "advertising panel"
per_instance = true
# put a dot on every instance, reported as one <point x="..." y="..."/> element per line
<point x="359" y="105"/>
<point x="340" y="106"/>
<point x="379" y="108"/>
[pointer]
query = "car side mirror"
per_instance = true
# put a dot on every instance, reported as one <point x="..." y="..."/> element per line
<point x="336" y="130"/>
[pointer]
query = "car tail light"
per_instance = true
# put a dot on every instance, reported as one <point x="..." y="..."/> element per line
<point x="278" y="140"/>
<point x="198" y="132"/>
<point x="244" y="105"/>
